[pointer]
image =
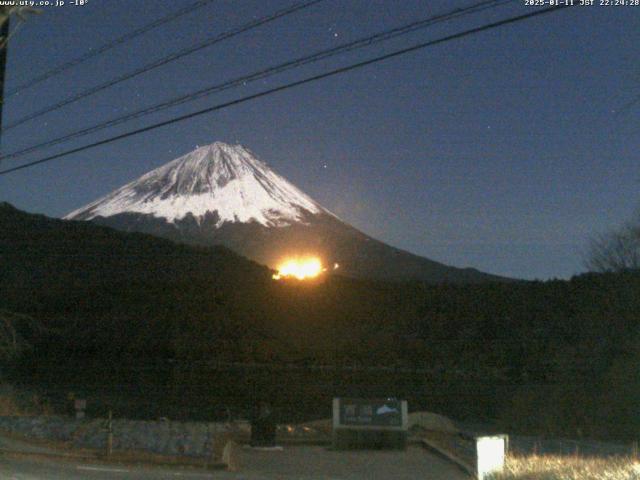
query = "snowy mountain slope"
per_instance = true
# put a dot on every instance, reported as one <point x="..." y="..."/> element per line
<point x="221" y="178"/>
<point x="223" y="195"/>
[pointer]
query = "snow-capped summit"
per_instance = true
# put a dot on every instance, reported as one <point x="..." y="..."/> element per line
<point x="224" y="179"/>
<point x="222" y="194"/>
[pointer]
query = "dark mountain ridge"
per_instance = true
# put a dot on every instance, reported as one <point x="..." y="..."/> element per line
<point x="152" y="328"/>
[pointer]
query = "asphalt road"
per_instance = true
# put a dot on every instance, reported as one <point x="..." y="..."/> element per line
<point x="299" y="463"/>
<point x="30" y="469"/>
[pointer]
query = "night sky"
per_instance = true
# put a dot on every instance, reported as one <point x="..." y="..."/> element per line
<point x="504" y="151"/>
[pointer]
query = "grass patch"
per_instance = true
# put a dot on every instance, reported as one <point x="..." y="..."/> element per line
<point x="574" y="467"/>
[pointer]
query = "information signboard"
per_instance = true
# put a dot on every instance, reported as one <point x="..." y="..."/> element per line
<point x="380" y="413"/>
<point x="369" y="423"/>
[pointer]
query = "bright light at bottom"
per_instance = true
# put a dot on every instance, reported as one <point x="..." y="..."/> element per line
<point x="300" y="268"/>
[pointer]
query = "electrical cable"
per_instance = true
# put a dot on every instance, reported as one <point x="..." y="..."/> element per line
<point x="288" y="86"/>
<point x="106" y="47"/>
<point x="265" y="73"/>
<point x="163" y="61"/>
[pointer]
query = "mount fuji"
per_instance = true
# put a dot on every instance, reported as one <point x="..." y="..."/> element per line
<point x="223" y="194"/>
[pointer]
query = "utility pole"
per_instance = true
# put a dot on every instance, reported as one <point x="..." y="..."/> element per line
<point x="4" y="36"/>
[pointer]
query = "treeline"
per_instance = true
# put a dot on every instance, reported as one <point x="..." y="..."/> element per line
<point x="152" y="328"/>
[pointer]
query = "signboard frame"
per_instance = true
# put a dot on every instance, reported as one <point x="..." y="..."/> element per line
<point x="364" y="430"/>
<point x="338" y="416"/>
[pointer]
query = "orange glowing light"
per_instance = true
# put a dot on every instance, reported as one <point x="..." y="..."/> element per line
<point x="300" y="268"/>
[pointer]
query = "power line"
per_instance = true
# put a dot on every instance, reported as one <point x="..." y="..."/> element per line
<point x="287" y="86"/>
<point x="165" y="60"/>
<point x="265" y="73"/>
<point x="107" y="46"/>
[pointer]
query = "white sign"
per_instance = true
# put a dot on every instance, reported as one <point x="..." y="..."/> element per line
<point x="491" y="453"/>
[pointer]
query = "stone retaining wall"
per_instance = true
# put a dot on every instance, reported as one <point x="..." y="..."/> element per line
<point x="162" y="437"/>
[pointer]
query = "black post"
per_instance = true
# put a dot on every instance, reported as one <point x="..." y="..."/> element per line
<point x="110" y="434"/>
